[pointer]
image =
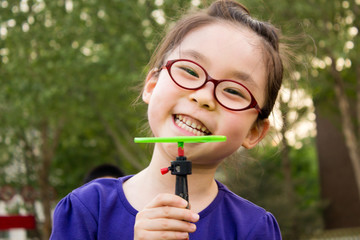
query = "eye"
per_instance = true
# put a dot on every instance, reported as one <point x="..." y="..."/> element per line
<point x="235" y="92"/>
<point x="190" y="71"/>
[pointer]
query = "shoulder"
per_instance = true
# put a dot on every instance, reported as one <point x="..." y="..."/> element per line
<point x="99" y="192"/>
<point x="97" y="187"/>
<point x="104" y="190"/>
<point x="245" y="215"/>
<point x="81" y="213"/>
<point x="238" y="204"/>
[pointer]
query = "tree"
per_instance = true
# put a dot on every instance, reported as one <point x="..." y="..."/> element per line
<point x="66" y="70"/>
<point x="333" y="80"/>
<point x="336" y="75"/>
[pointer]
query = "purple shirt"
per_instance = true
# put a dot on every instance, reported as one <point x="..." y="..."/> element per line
<point x="100" y="210"/>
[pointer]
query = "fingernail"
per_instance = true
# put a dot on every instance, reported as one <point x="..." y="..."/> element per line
<point x="195" y="216"/>
<point x="193" y="227"/>
<point x="184" y="235"/>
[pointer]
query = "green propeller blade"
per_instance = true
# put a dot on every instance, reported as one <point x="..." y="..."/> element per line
<point x="185" y="139"/>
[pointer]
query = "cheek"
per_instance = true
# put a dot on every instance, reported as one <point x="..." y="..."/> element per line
<point x="164" y="90"/>
<point x="213" y="154"/>
<point x="161" y="104"/>
<point x="236" y="127"/>
<point x="156" y="113"/>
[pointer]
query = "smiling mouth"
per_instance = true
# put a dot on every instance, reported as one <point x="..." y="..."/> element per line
<point x="190" y="125"/>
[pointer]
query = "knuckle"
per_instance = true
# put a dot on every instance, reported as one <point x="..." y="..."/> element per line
<point x="140" y="215"/>
<point x="139" y="224"/>
<point x="163" y="235"/>
<point x="164" y="224"/>
<point x="166" y="211"/>
<point x="137" y="227"/>
<point x="186" y="215"/>
<point x="159" y="199"/>
<point x="141" y="236"/>
<point x="160" y="196"/>
<point x="164" y="197"/>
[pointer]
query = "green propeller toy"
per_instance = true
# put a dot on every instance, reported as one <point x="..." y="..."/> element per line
<point x="180" y="167"/>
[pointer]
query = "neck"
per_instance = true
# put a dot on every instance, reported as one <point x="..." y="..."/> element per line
<point x="198" y="182"/>
<point x="201" y="184"/>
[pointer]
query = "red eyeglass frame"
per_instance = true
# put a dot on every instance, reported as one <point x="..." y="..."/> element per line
<point x="253" y="103"/>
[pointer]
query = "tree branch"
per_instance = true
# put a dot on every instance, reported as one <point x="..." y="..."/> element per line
<point x="119" y="147"/>
<point x="125" y="133"/>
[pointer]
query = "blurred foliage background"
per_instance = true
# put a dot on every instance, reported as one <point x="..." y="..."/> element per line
<point x="71" y="71"/>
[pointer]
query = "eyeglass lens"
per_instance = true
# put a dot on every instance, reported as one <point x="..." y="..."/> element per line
<point x="228" y="92"/>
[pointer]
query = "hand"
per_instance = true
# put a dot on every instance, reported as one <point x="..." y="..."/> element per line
<point x="165" y="217"/>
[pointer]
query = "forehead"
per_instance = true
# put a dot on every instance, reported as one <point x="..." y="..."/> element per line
<point x="224" y="38"/>
<point x="223" y="49"/>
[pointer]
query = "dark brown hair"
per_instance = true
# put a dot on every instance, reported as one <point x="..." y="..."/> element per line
<point x="228" y="10"/>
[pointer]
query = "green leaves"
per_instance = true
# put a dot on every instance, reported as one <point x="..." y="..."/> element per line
<point x="71" y="62"/>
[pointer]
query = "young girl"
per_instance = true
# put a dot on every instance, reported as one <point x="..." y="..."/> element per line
<point x="217" y="72"/>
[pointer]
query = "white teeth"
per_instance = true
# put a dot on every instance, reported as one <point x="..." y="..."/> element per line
<point x="189" y="126"/>
<point x="189" y="129"/>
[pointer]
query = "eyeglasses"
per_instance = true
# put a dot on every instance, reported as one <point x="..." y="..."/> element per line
<point x="230" y="94"/>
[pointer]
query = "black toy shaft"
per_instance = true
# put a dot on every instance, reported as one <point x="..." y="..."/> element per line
<point x="181" y="187"/>
<point x="181" y="168"/>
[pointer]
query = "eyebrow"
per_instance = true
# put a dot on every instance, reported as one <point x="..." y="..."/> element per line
<point x="244" y="77"/>
<point x="234" y="75"/>
<point x="195" y="54"/>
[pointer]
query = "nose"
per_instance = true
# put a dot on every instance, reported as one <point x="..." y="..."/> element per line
<point x="204" y="96"/>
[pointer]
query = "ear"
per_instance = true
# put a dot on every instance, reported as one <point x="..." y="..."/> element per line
<point x="256" y="134"/>
<point x="150" y="83"/>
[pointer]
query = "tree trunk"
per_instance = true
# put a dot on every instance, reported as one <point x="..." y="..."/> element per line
<point x="348" y="127"/>
<point x="47" y="154"/>
<point x="286" y="165"/>
<point x="286" y="168"/>
<point x="337" y="180"/>
<point x="358" y="102"/>
<point x="30" y="159"/>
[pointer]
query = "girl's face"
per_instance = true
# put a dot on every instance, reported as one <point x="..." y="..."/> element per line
<point x="225" y="52"/>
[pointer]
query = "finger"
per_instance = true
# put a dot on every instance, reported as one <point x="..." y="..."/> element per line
<point x="188" y="206"/>
<point x="164" y="224"/>
<point x="169" y="212"/>
<point x="162" y="235"/>
<point x="161" y="224"/>
<point x="166" y="199"/>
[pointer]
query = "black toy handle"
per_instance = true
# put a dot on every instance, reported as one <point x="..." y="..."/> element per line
<point x="181" y="168"/>
<point x="181" y="187"/>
